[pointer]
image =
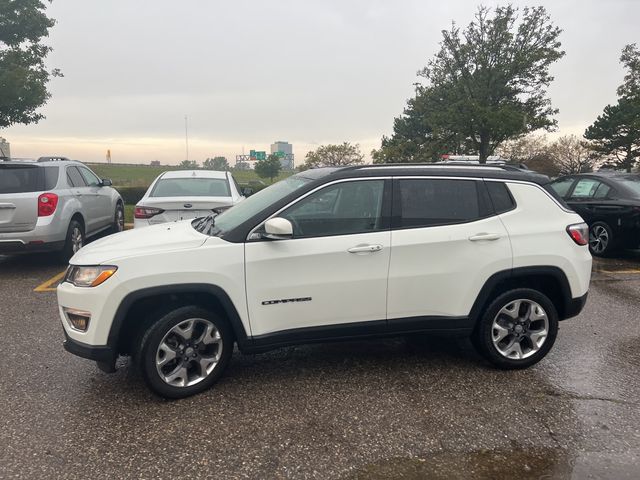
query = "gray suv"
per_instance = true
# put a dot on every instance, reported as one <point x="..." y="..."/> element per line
<point x="54" y="204"/>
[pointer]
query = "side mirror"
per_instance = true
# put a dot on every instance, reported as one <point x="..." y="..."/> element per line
<point x="278" y="229"/>
<point x="247" y="191"/>
<point x="106" y="182"/>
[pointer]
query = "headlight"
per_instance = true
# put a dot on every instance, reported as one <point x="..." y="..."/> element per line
<point x="89" y="276"/>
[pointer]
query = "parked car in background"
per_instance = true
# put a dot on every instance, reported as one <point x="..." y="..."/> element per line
<point x="54" y="204"/>
<point x="610" y="204"/>
<point x="186" y="194"/>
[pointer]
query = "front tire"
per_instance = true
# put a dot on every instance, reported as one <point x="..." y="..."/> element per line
<point x="517" y="330"/>
<point x="184" y="352"/>
<point x="601" y="240"/>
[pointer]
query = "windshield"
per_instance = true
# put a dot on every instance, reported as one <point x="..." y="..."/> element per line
<point x="246" y="209"/>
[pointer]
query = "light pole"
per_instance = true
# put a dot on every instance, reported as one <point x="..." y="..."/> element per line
<point x="186" y="135"/>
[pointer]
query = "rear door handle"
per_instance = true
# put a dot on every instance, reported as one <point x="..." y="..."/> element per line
<point x="365" y="249"/>
<point x="484" y="236"/>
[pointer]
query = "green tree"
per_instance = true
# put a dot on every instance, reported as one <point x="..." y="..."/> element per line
<point x="630" y="58"/>
<point x="616" y="132"/>
<point x="414" y="139"/>
<point x="188" y="165"/>
<point x="334" y="156"/>
<point x="269" y="168"/>
<point x="23" y="76"/>
<point x="488" y="83"/>
<point x="216" y="163"/>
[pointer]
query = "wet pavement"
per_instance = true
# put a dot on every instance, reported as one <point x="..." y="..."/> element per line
<point x="397" y="408"/>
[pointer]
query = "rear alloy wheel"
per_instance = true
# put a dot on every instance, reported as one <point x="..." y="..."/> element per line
<point x="600" y="239"/>
<point x="74" y="240"/>
<point x="185" y="352"/>
<point x="518" y="329"/>
<point x="118" y="219"/>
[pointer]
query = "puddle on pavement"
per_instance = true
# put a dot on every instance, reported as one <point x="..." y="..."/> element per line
<point x="523" y="464"/>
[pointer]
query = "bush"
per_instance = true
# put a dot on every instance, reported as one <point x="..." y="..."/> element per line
<point x="131" y="195"/>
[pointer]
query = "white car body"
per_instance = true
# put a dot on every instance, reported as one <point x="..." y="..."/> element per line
<point x="187" y="205"/>
<point x="281" y="292"/>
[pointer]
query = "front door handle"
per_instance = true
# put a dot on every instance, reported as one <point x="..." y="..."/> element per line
<point x="365" y="249"/>
<point x="484" y="236"/>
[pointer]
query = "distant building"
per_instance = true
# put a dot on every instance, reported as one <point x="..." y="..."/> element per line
<point x="5" y="148"/>
<point x="155" y="163"/>
<point x="284" y="150"/>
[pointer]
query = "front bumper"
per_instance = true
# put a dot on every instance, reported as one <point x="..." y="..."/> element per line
<point x="100" y="353"/>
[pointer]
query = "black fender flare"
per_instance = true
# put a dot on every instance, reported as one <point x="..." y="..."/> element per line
<point x="225" y="301"/>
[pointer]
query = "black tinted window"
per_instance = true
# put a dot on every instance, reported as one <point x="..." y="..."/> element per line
<point x="340" y="209"/>
<point x="500" y="197"/>
<point x="74" y="177"/>
<point x="21" y="179"/>
<point x="430" y="202"/>
<point x="51" y="177"/>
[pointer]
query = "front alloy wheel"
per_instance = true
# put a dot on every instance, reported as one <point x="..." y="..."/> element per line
<point x="184" y="351"/>
<point x="599" y="239"/>
<point x="189" y="352"/>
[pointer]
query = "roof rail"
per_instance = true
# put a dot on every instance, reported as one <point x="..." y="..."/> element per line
<point x="53" y="159"/>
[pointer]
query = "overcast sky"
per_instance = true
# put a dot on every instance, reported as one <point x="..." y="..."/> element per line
<point x="248" y="73"/>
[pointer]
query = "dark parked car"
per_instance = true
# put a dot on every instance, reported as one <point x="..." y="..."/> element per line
<point x="610" y="203"/>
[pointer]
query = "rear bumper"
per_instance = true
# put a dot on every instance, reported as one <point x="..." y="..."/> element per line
<point x="574" y="306"/>
<point x="19" y="246"/>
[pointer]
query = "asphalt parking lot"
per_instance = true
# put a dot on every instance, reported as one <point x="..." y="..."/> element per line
<point x="399" y="408"/>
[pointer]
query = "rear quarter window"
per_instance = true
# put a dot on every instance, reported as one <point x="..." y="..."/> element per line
<point x="500" y="197"/>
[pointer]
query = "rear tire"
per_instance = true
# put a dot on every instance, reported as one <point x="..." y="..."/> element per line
<point x="184" y="352"/>
<point x="517" y="330"/>
<point x="601" y="239"/>
<point x="74" y="241"/>
<point x="118" y="219"/>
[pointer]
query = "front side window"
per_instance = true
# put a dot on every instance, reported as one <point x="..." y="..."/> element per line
<point x="74" y="178"/>
<point x="89" y="177"/>
<point x="340" y="209"/>
<point x="191" y="187"/>
<point x="427" y="202"/>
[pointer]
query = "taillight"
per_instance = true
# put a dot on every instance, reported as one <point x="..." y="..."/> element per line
<point x="47" y="204"/>
<point x="146" y="212"/>
<point x="579" y="232"/>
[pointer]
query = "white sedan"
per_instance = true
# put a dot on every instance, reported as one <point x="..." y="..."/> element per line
<point x="186" y="194"/>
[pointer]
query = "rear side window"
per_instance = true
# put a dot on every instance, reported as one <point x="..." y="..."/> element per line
<point x="561" y="186"/>
<point x="429" y="202"/>
<point x="74" y="178"/>
<point x="500" y="197"/>
<point x="23" y="179"/>
<point x="585" y="188"/>
<point x="191" y="187"/>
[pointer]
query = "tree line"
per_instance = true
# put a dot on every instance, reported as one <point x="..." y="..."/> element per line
<point x="484" y="92"/>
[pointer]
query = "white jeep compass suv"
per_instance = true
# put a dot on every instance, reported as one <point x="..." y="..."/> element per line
<point x="333" y="254"/>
